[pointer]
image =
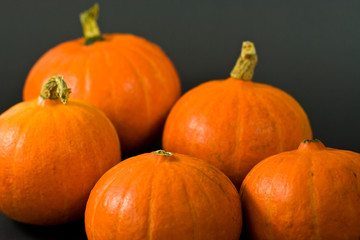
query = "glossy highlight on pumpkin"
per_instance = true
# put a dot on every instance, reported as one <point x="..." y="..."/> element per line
<point x="129" y="78"/>
<point x="162" y="195"/>
<point x="235" y="123"/>
<point x="309" y="193"/>
<point x="52" y="153"/>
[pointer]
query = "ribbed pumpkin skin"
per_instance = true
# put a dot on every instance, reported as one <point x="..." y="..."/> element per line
<point x="160" y="198"/>
<point x="51" y="156"/>
<point x="129" y="78"/>
<point x="234" y="124"/>
<point x="309" y="193"/>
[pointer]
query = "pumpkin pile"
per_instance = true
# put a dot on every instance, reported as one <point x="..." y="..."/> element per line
<point x="229" y="168"/>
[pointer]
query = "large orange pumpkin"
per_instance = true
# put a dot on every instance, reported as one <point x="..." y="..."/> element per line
<point x="309" y="193"/>
<point x="128" y="77"/>
<point x="51" y="155"/>
<point x="235" y="123"/>
<point x="163" y="196"/>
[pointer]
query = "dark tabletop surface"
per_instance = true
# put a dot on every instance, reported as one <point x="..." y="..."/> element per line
<point x="10" y="229"/>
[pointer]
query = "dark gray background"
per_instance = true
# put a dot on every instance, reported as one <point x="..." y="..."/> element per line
<point x="310" y="49"/>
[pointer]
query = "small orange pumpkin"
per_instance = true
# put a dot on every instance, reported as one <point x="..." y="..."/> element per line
<point x="51" y="155"/>
<point x="309" y="193"/>
<point x="235" y="123"/>
<point x="128" y="77"/>
<point x="163" y="196"/>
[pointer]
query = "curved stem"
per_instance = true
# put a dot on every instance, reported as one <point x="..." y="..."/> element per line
<point x="245" y="65"/>
<point x="163" y="153"/>
<point x="90" y="27"/>
<point x="55" y="88"/>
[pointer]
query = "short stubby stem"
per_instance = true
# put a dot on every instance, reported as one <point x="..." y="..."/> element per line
<point x="163" y="153"/>
<point x="90" y="27"/>
<point x="55" y="88"/>
<point x="311" y="145"/>
<point x="245" y="65"/>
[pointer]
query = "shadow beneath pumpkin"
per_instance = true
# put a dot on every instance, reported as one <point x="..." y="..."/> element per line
<point x="153" y="145"/>
<point x="69" y="231"/>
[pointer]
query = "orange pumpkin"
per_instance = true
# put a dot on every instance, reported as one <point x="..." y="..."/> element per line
<point x="163" y="196"/>
<point x="51" y="155"/>
<point x="309" y="193"/>
<point x="128" y="77"/>
<point x="235" y="123"/>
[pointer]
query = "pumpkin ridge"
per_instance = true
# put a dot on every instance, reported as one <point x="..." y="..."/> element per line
<point x="335" y="154"/>
<point x="58" y="121"/>
<point x="313" y="204"/>
<point x="20" y="113"/>
<point x="357" y="179"/>
<point x="141" y="79"/>
<point x="24" y="128"/>
<point x="137" y="42"/>
<point x="87" y="81"/>
<point x="212" y="180"/>
<point x="295" y="108"/>
<point x="213" y="86"/>
<point x="205" y="193"/>
<point x="100" y="166"/>
<point x="101" y="194"/>
<point x="150" y="222"/>
<point x="191" y="206"/>
<point x="277" y="128"/>
<point x="158" y="76"/>
<point x="239" y="134"/>
<point x="206" y="106"/>
<point x="268" y="202"/>
<point x="106" y="54"/>
<point x="164" y="59"/>
<point x="276" y="94"/>
<point x="133" y="179"/>
<point x="347" y="153"/>
<point x="149" y="61"/>
<point x="160" y="54"/>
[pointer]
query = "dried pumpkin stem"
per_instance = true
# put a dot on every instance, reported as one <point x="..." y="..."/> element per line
<point x="55" y="88"/>
<point x="90" y="27"/>
<point x="245" y="65"/>
<point x="163" y="153"/>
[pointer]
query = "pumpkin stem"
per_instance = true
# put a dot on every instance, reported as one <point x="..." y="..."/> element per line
<point x="245" y="65"/>
<point x="311" y="145"/>
<point x="310" y="140"/>
<point x="163" y="153"/>
<point x="55" y="88"/>
<point x="90" y="27"/>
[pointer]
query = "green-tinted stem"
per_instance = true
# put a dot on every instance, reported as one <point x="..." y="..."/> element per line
<point x="163" y="153"/>
<point x="90" y="27"/>
<point x="55" y="88"/>
<point x="245" y="65"/>
<point x="310" y="140"/>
